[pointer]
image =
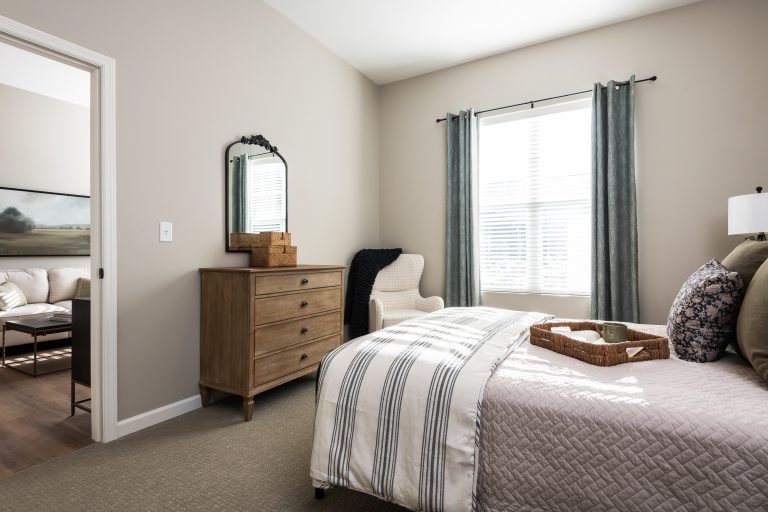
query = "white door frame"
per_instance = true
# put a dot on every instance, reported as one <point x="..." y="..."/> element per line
<point x="103" y="354"/>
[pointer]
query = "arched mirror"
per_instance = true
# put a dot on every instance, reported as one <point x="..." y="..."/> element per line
<point x="256" y="190"/>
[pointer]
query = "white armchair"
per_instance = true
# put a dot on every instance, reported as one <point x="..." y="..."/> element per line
<point x="395" y="296"/>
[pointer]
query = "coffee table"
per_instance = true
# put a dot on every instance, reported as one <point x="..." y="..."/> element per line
<point x="36" y="327"/>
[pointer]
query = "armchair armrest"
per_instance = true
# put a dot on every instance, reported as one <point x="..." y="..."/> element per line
<point x="430" y="304"/>
<point x="375" y="315"/>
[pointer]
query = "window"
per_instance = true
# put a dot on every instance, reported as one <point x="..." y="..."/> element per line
<point x="534" y="200"/>
<point x="266" y="175"/>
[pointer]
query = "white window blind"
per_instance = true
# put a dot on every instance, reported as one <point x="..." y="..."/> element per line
<point x="266" y="176"/>
<point x="534" y="200"/>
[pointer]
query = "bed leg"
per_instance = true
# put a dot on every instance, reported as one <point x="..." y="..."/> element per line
<point x="319" y="494"/>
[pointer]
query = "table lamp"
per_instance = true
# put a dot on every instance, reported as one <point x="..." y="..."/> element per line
<point x="748" y="214"/>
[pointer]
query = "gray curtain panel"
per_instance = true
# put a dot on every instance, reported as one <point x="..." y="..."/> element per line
<point x="462" y="269"/>
<point x="239" y="195"/>
<point x="614" y="217"/>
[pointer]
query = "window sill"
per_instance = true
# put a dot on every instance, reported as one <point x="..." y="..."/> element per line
<point x="538" y="294"/>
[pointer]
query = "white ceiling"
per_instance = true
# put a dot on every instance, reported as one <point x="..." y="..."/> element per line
<point x="35" y="73"/>
<point x="389" y="40"/>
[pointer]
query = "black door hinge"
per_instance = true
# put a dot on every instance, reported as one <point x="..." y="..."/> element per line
<point x="101" y="273"/>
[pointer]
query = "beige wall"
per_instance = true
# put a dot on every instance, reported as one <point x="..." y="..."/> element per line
<point x="192" y="76"/>
<point x="44" y="145"/>
<point x="700" y="134"/>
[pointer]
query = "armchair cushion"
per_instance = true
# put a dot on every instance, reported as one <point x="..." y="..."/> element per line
<point x="430" y="304"/>
<point x="395" y="296"/>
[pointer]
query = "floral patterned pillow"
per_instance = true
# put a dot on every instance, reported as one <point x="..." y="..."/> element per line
<point x="702" y="320"/>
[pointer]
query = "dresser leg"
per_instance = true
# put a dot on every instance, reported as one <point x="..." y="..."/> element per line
<point x="319" y="494"/>
<point x="248" y="408"/>
<point x="205" y="395"/>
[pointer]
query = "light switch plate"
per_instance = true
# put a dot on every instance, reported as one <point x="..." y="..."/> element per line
<point x="166" y="231"/>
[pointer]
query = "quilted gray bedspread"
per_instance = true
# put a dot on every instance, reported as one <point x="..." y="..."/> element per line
<point x="561" y="435"/>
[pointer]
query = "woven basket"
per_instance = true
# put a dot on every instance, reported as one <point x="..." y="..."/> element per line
<point x="274" y="256"/>
<point x="603" y="354"/>
<point x="263" y="239"/>
<point x="267" y="238"/>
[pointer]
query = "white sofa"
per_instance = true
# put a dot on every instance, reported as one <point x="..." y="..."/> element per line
<point x="395" y="296"/>
<point x="47" y="291"/>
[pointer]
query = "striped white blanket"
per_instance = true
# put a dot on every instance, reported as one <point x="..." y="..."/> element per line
<point x="398" y="409"/>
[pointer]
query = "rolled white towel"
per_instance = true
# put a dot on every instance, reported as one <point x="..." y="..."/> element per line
<point x="588" y="336"/>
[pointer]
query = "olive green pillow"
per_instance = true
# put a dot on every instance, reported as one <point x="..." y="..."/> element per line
<point x="752" y="325"/>
<point x="83" y="290"/>
<point x="11" y="296"/>
<point x="746" y="258"/>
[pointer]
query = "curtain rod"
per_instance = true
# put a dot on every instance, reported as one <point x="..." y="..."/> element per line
<point x="531" y="102"/>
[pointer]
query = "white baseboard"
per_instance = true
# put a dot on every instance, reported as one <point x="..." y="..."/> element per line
<point x="155" y="416"/>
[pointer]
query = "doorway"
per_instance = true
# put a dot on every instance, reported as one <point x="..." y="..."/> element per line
<point x="99" y="72"/>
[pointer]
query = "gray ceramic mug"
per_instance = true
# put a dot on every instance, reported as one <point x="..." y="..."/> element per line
<point x="613" y="332"/>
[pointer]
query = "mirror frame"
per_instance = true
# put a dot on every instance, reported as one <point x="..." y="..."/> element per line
<point x="257" y="140"/>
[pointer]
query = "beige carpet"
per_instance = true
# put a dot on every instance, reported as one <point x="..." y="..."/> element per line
<point x="207" y="460"/>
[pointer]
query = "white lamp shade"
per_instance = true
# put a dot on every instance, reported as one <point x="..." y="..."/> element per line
<point x="748" y="214"/>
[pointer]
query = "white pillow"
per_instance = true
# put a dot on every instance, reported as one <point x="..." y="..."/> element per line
<point x="63" y="282"/>
<point x="33" y="282"/>
<point x="11" y="296"/>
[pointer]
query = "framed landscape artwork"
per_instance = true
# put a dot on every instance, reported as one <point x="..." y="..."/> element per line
<point x="34" y="223"/>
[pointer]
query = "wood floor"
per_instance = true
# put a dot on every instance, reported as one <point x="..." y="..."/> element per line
<point x="35" y="425"/>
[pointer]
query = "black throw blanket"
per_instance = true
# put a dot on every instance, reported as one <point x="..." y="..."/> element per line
<point x="362" y="273"/>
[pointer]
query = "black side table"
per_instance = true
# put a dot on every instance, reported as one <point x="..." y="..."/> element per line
<point x="81" y="352"/>
<point x="36" y="327"/>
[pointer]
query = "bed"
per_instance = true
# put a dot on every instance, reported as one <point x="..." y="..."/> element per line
<point x="548" y="433"/>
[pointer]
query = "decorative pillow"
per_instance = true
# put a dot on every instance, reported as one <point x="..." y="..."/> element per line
<point x="746" y="258"/>
<point x="11" y="296"/>
<point x="752" y="326"/>
<point x="33" y="283"/>
<point x="702" y="320"/>
<point x="63" y="282"/>
<point x="83" y="289"/>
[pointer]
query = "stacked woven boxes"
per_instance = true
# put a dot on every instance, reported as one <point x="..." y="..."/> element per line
<point x="272" y="249"/>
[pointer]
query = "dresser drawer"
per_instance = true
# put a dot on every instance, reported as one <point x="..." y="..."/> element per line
<point x="291" y="360"/>
<point x="295" y="305"/>
<point x="278" y="336"/>
<point x="296" y="281"/>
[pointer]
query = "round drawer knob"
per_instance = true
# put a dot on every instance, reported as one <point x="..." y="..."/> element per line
<point x="305" y="281"/>
<point x="304" y="330"/>
<point x="304" y="356"/>
<point x="304" y="303"/>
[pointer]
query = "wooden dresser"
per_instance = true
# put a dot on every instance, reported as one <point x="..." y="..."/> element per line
<point x="262" y="327"/>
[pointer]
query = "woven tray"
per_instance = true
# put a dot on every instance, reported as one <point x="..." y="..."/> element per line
<point x="604" y="354"/>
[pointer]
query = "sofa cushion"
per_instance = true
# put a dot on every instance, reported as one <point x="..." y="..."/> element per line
<point x="66" y="304"/>
<point x="63" y="282"/>
<point x="11" y="296"/>
<point x="29" y="309"/>
<point x="32" y="282"/>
